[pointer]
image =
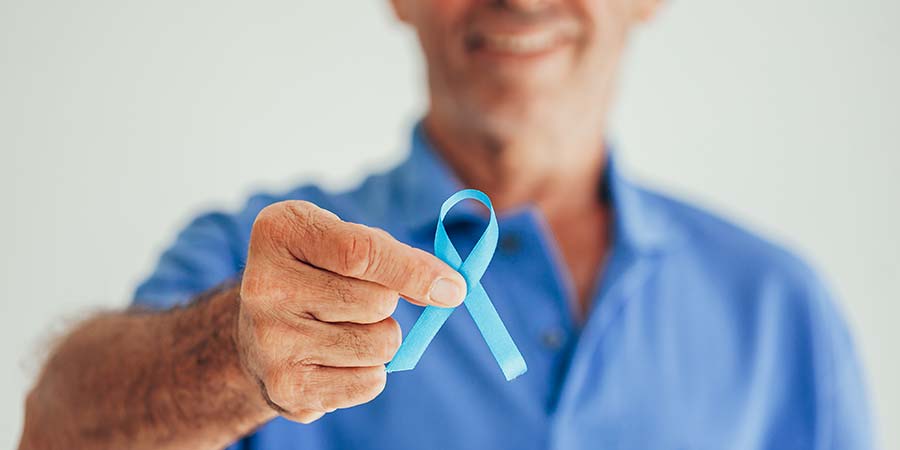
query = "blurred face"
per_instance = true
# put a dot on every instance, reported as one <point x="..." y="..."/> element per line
<point x="505" y="65"/>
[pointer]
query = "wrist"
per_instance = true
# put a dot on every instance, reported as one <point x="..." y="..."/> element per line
<point x="237" y="378"/>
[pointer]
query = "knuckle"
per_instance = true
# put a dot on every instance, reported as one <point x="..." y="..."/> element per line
<point x="308" y="387"/>
<point x="341" y="289"/>
<point x="300" y="209"/>
<point x="372" y="384"/>
<point x="265" y="347"/>
<point x="355" y="386"/>
<point x="311" y="222"/>
<point x="381" y="232"/>
<point x="375" y="304"/>
<point x="271" y="378"/>
<point x="270" y="294"/>
<point x="258" y="285"/>
<point x="348" y="340"/>
<point x="278" y="222"/>
<point x="301" y="344"/>
<point x="313" y="219"/>
<point x="353" y="392"/>
<point x="384" y="303"/>
<point x="269" y="336"/>
<point x="421" y="269"/>
<point x="355" y="341"/>
<point x="281" y="296"/>
<point x="388" y="340"/>
<point x="280" y="389"/>
<point x="269" y="221"/>
<point x="357" y="254"/>
<point x="252" y="287"/>
<point x="295" y="388"/>
<point x="269" y="232"/>
<point x="396" y="336"/>
<point x="307" y="416"/>
<point x="262" y="334"/>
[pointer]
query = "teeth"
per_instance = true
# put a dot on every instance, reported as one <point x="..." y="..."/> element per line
<point x="528" y="43"/>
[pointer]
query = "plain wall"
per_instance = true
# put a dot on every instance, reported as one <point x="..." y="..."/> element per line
<point x="120" y="119"/>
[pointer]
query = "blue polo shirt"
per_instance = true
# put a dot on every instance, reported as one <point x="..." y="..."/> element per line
<point x="701" y="335"/>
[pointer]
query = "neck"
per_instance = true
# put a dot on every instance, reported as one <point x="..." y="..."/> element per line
<point x="554" y="168"/>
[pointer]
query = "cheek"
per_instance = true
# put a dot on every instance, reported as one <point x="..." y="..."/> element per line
<point x="608" y="22"/>
<point x="448" y="8"/>
<point x="443" y="15"/>
<point x="440" y="24"/>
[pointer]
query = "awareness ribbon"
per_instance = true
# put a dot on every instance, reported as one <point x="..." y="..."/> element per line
<point x="477" y="301"/>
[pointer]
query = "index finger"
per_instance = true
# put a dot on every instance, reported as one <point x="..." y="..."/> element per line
<point x="323" y="240"/>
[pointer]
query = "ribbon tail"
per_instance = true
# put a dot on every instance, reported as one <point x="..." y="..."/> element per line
<point x="495" y="334"/>
<point x="418" y="338"/>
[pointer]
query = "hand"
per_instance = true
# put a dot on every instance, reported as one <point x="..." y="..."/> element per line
<point x="314" y="326"/>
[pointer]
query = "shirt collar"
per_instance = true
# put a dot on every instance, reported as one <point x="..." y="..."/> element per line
<point x="639" y="223"/>
<point x="425" y="181"/>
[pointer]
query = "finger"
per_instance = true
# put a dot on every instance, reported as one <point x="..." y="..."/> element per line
<point x="304" y="416"/>
<point x="413" y="301"/>
<point x="307" y="291"/>
<point x="357" y="251"/>
<point x="354" y="386"/>
<point x="306" y="392"/>
<point x="348" y="344"/>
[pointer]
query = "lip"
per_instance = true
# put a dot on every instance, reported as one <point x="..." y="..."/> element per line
<point x="518" y="44"/>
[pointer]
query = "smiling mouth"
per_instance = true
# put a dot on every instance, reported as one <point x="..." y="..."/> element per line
<point x="518" y="43"/>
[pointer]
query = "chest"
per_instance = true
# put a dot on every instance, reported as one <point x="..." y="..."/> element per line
<point x="642" y="372"/>
<point x="595" y="389"/>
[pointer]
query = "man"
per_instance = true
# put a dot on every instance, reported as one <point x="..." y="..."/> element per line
<point x="645" y="322"/>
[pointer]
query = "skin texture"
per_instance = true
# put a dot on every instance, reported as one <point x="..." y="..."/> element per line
<point x="519" y="92"/>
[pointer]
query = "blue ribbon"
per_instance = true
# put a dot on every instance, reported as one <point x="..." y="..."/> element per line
<point x="477" y="301"/>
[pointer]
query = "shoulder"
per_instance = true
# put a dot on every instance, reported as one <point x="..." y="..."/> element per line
<point x="746" y="275"/>
<point x="367" y="201"/>
<point x="761" y="310"/>
<point x="212" y="247"/>
<point x="734" y="250"/>
<point x="777" y="304"/>
<point x="760" y="285"/>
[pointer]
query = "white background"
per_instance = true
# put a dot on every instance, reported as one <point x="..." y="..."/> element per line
<point x="120" y="119"/>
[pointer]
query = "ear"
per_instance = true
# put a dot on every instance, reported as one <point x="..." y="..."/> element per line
<point x="401" y="10"/>
<point x="645" y="10"/>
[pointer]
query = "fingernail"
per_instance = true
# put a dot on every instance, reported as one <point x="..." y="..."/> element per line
<point x="446" y="292"/>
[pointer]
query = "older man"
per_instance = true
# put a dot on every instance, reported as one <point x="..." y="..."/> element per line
<point x="645" y="322"/>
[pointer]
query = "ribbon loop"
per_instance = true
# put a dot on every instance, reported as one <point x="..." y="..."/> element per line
<point x="477" y="301"/>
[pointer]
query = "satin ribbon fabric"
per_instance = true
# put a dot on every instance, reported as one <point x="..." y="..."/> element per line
<point x="477" y="301"/>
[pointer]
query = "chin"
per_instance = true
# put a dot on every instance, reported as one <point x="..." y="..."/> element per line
<point x="522" y="79"/>
<point x="505" y="120"/>
<point x="515" y="102"/>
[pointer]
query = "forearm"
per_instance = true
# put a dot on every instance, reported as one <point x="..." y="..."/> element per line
<point x="147" y="380"/>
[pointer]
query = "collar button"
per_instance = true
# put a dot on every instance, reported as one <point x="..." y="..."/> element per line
<point x="553" y="339"/>
<point x="510" y="243"/>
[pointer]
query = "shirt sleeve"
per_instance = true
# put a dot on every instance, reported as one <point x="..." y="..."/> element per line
<point x="845" y="420"/>
<point x="209" y="251"/>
